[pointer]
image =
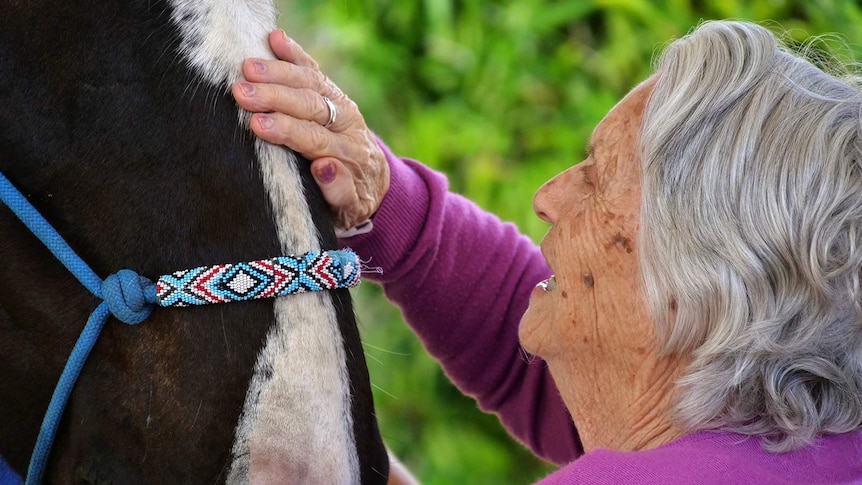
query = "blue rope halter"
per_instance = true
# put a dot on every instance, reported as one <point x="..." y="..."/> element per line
<point x="130" y="298"/>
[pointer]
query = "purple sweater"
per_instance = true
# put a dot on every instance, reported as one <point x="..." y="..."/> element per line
<point x="462" y="279"/>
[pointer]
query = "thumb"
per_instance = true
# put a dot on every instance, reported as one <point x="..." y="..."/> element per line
<point x="337" y="184"/>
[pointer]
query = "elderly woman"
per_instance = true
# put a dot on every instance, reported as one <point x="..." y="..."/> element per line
<point x="705" y="321"/>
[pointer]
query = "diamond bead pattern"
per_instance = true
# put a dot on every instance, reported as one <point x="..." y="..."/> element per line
<point x="312" y="271"/>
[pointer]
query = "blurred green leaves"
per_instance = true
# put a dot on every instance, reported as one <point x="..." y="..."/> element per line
<point x="501" y="95"/>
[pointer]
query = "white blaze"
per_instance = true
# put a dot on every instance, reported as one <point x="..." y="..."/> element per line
<point x="296" y="425"/>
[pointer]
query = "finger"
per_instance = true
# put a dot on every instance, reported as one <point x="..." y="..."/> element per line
<point x="286" y="74"/>
<point x="288" y="50"/>
<point x="306" y="137"/>
<point x="304" y="104"/>
<point x="335" y="181"/>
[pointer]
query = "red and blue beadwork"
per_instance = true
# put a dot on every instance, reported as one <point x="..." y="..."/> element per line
<point x="266" y="278"/>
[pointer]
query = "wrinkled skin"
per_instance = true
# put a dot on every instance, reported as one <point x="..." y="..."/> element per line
<point x="287" y="99"/>
<point x="591" y="325"/>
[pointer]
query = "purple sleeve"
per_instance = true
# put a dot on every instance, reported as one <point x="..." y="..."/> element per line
<point x="462" y="279"/>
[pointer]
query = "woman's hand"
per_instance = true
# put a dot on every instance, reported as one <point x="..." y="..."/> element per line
<point x="288" y="99"/>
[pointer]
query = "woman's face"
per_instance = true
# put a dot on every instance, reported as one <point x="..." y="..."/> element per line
<point x="592" y="311"/>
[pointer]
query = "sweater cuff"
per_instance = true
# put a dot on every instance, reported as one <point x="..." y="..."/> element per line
<point x="399" y="220"/>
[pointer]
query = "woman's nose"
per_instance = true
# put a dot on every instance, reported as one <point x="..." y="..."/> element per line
<point x="549" y="199"/>
<point x="542" y="205"/>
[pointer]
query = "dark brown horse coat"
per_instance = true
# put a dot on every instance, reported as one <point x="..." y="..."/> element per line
<point x="116" y="122"/>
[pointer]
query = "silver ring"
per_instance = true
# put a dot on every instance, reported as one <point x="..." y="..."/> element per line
<point x="332" y="111"/>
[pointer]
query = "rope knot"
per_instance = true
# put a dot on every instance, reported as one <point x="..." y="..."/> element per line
<point x="130" y="296"/>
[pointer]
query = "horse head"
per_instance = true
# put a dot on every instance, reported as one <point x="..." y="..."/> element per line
<point x="117" y="124"/>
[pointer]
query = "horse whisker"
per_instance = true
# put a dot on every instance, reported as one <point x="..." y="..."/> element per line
<point x="375" y="359"/>
<point x="195" y="420"/>
<point x="366" y="344"/>
<point x="393" y="396"/>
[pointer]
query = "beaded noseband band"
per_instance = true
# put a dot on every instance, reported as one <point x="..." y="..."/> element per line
<point x="266" y="278"/>
<point x="130" y="298"/>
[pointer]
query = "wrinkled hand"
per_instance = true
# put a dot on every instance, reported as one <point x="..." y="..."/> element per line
<point x="287" y="99"/>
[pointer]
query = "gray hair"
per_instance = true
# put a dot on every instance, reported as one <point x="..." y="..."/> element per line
<point x="751" y="235"/>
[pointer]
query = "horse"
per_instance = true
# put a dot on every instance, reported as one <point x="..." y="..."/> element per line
<point x="117" y="124"/>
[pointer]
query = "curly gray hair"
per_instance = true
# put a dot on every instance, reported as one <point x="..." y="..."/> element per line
<point x="751" y="235"/>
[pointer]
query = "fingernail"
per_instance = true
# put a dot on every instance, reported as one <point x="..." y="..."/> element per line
<point x="284" y="36"/>
<point x="247" y="89"/>
<point x="259" y="67"/>
<point x="326" y="173"/>
<point x="265" y="121"/>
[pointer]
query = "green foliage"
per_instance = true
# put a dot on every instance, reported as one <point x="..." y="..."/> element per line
<point x="501" y="95"/>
